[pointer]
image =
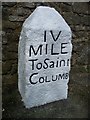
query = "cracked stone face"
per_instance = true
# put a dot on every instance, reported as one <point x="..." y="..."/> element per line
<point x="44" y="55"/>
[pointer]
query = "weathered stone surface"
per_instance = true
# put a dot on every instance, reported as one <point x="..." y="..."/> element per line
<point x="6" y="67"/>
<point x="82" y="39"/>
<point x="12" y="47"/>
<point x="82" y="91"/>
<point x="29" y="5"/>
<point x="9" y="79"/>
<point x="22" y="12"/>
<point x="9" y="56"/>
<point x="79" y="69"/>
<point x="41" y="78"/>
<point x="78" y="47"/>
<point x="4" y="40"/>
<point x="4" y="14"/>
<point x="81" y="28"/>
<point x="4" y="48"/>
<point x="14" y="69"/>
<point x="10" y="25"/>
<point x="0" y="72"/>
<point x="81" y="7"/>
<point x="65" y="7"/>
<point x="16" y="18"/>
<point x="19" y="11"/>
<point x="15" y="36"/>
<point x="73" y="19"/>
<point x="75" y="77"/>
<point x="10" y="4"/>
<point x="74" y="35"/>
<point x="2" y="33"/>
<point x="85" y="20"/>
<point x="80" y="57"/>
<point x="82" y="35"/>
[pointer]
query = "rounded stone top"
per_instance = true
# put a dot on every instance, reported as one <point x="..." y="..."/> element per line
<point x="46" y="18"/>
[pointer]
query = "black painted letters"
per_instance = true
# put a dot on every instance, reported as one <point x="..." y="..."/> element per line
<point x="56" y="48"/>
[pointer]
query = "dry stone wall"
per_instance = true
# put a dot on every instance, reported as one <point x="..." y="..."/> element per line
<point x="77" y="16"/>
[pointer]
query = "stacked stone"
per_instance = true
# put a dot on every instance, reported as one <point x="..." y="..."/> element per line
<point x="13" y="15"/>
<point x="77" y="16"/>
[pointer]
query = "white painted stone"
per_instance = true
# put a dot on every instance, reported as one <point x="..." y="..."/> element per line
<point x="47" y="81"/>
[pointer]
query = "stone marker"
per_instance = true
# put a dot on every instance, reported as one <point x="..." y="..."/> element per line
<point x="44" y="57"/>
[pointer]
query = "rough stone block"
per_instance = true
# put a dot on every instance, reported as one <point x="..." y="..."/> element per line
<point x="10" y="4"/>
<point x="65" y="7"/>
<point x="9" y="79"/>
<point x="6" y="67"/>
<point x="81" y="7"/>
<point x="13" y="18"/>
<point x="10" y="25"/>
<point x="9" y="56"/>
<point x="44" y="57"/>
<point x="72" y="19"/>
